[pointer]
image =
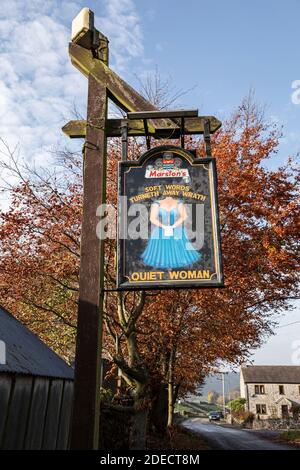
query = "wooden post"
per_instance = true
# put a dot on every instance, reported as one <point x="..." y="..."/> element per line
<point x="86" y="407"/>
<point x="89" y="53"/>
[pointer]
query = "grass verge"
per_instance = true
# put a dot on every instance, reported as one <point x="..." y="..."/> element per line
<point x="177" y="438"/>
<point x="291" y="436"/>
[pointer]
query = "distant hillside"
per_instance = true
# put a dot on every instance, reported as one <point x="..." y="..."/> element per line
<point x="192" y="409"/>
<point x="214" y="382"/>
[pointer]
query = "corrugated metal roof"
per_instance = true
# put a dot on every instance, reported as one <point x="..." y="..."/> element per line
<point x="26" y="353"/>
<point x="271" y="374"/>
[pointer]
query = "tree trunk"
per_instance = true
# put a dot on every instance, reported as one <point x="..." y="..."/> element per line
<point x="170" y="404"/>
<point x="138" y="432"/>
<point x="135" y="373"/>
<point x="171" y="389"/>
<point x="158" y="417"/>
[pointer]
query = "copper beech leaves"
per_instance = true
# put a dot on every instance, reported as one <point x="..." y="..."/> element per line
<point x="165" y="336"/>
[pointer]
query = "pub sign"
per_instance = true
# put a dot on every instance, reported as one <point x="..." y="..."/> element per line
<point x="168" y="227"/>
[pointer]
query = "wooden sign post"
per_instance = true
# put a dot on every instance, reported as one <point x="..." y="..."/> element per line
<point x="89" y="53"/>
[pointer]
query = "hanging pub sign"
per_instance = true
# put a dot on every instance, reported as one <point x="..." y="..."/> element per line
<point x="168" y="222"/>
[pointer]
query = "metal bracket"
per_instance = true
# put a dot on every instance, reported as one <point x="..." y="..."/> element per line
<point x="182" y="132"/>
<point x="206" y="136"/>
<point x="148" y="139"/>
<point x="124" y="137"/>
<point x="172" y="115"/>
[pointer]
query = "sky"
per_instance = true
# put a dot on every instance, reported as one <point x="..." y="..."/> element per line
<point x="218" y="50"/>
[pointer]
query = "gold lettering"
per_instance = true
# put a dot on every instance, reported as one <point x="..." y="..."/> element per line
<point x="175" y="275"/>
<point x="147" y="276"/>
<point x="192" y="274"/>
<point x="151" y="276"/>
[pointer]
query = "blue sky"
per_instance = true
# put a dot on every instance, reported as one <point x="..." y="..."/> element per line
<point x="219" y="49"/>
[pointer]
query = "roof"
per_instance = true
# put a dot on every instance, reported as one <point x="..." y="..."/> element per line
<point x="294" y="404"/>
<point x="271" y="374"/>
<point x="26" y="353"/>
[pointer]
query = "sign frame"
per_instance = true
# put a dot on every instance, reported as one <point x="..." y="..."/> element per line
<point x="218" y="276"/>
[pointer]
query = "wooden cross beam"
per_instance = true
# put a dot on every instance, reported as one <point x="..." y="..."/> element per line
<point x="128" y="99"/>
<point x="77" y="128"/>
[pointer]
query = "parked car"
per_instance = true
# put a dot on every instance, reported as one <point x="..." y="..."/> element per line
<point x="215" y="416"/>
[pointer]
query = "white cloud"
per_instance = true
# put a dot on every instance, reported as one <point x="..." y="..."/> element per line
<point x="38" y="84"/>
<point x="121" y="24"/>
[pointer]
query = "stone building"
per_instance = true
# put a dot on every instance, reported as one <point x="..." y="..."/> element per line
<point x="271" y="391"/>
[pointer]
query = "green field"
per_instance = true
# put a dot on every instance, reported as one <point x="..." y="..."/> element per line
<point x="200" y="409"/>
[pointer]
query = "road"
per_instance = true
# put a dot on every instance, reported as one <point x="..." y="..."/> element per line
<point x="231" y="438"/>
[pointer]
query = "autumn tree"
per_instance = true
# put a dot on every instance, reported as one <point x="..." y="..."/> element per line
<point x="40" y="243"/>
<point x="212" y="396"/>
<point x="259" y="214"/>
<point x="168" y="340"/>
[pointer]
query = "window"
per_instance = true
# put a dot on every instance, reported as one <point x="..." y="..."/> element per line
<point x="281" y="390"/>
<point x="259" y="389"/>
<point x="261" y="409"/>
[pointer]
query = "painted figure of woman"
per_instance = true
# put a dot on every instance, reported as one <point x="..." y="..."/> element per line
<point x="169" y="246"/>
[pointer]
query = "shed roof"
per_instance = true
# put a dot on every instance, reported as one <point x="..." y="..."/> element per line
<point x="271" y="374"/>
<point x="26" y="353"/>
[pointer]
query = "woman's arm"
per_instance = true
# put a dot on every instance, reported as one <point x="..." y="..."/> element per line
<point x="182" y="215"/>
<point x="154" y="219"/>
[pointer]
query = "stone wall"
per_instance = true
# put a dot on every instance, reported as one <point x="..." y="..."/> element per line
<point x="275" y="424"/>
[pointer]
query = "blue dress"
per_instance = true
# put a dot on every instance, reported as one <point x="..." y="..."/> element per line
<point x="169" y="251"/>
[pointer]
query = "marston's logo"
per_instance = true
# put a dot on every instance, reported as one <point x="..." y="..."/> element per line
<point x="167" y="167"/>
<point x="153" y="173"/>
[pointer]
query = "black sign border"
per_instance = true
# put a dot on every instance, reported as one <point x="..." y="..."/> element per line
<point x="153" y="285"/>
